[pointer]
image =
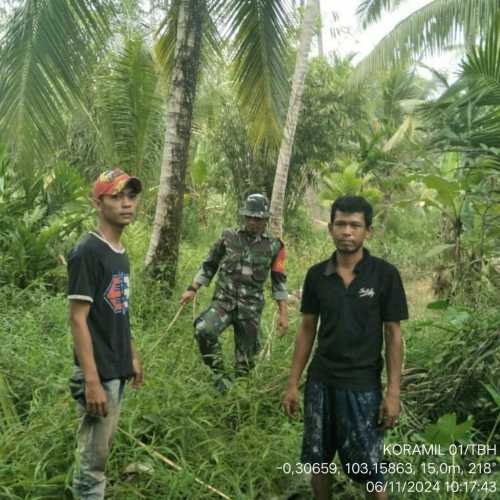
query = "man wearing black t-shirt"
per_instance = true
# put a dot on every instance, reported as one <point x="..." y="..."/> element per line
<point x="98" y="292"/>
<point x="358" y="301"/>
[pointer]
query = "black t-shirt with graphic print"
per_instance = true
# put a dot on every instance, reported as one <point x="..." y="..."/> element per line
<point x="100" y="275"/>
<point x="350" y="334"/>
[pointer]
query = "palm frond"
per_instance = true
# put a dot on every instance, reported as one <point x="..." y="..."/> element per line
<point x="428" y="31"/>
<point x="166" y="41"/>
<point x="399" y="85"/>
<point x="440" y="77"/>
<point x="167" y="37"/>
<point x="258" y="30"/>
<point x="405" y="131"/>
<point x="478" y="85"/>
<point x="130" y="107"/>
<point x="481" y="69"/>
<point x="467" y="128"/>
<point x="484" y="131"/>
<point x="45" y="54"/>
<point x="212" y="39"/>
<point x="370" y="11"/>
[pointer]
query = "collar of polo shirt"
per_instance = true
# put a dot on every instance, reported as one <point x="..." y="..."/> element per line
<point x="331" y="265"/>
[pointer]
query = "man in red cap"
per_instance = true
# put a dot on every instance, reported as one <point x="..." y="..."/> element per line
<point x="98" y="292"/>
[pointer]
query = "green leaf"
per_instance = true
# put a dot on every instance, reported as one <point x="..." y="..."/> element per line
<point x="199" y="172"/>
<point x="438" y="305"/>
<point x="434" y="28"/>
<point x="45" y="55"/>
<point x="494" y="393"/>
<point x="130" y="107"/>
<point x="166" y="38"/>
<point x="440" y="184"/>
<point x="447" y="191"/>
<point x="438" y="249"/>
<point x="370" y="11"/>
<point x="258" y="30"/>
<point x="446" y="430"/>
<point x="164" y="48"/>
<point x="456" y="317"/>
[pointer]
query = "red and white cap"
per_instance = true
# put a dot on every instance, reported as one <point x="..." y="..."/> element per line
<point x="113" y="182"/>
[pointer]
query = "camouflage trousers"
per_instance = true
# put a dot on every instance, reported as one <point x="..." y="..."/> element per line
<point x="213" y="321"/>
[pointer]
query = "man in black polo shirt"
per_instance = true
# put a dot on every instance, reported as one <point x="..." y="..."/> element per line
<point x="359" y="302"/>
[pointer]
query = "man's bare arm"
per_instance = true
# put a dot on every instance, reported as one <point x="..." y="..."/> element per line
<point x="138" y="380"/>
<point x="390" y="407"/>
<point x="283" y="317"/>
<point x="95" y="396"/>
<point x="303" y="346"/>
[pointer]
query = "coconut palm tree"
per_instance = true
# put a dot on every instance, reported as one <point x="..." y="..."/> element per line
<point x="285" y="154"/>
<point x="49" y="50"/>
<point x="163" y="249"/>
<point x="437" y="26"/>
<point x="257" y="31"/>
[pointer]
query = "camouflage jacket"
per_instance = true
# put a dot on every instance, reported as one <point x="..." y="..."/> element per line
<point x="243" y="263"/>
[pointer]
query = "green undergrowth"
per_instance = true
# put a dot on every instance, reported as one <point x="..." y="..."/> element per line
<point x="234" y="443"/>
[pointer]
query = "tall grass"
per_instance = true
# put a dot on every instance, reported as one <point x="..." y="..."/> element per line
<point x="234" y="442"/>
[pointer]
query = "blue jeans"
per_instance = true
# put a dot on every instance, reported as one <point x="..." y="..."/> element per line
<point x="95" y="435"/>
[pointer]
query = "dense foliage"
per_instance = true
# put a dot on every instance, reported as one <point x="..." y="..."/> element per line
<point x="237" y="442"/>
<point x="426" y="152"/>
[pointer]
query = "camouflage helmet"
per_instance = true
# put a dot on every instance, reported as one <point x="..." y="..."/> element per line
<point x="256" y="205"/>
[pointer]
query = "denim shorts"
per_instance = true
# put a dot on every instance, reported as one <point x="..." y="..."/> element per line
<point x="343" y="421"/>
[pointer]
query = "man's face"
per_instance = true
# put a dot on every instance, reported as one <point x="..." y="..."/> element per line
<point x="349" y="231"/>
<point x="118" y="209"/>
<point x="255" y="225"/>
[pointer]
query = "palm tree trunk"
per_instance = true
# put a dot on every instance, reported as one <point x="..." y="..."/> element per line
<point x="281" y="176"/>
<point x="321" y="50"/>
<point x="162" y="255"/>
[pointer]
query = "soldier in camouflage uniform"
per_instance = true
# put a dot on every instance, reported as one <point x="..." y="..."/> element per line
<point x="243" y="259"/>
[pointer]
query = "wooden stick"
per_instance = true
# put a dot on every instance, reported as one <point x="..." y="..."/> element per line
<point x="266" y="351"/>
<point x="194" y="308"/>
<point x="172" y="464"/>
<point x="176" y="317"/>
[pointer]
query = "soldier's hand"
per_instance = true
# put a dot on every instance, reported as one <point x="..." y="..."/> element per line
<point x="291" y="401"/>
<point x="187" y="296"/>
<point x="282" y="325"/>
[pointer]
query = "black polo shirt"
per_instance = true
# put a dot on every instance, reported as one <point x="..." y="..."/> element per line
<point x="350" y="335"/>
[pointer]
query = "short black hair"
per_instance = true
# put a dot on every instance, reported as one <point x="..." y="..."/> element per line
<point x="351" y="204"/>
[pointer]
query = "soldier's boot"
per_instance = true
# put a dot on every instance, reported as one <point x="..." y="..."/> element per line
<point x="243" y="364"/>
